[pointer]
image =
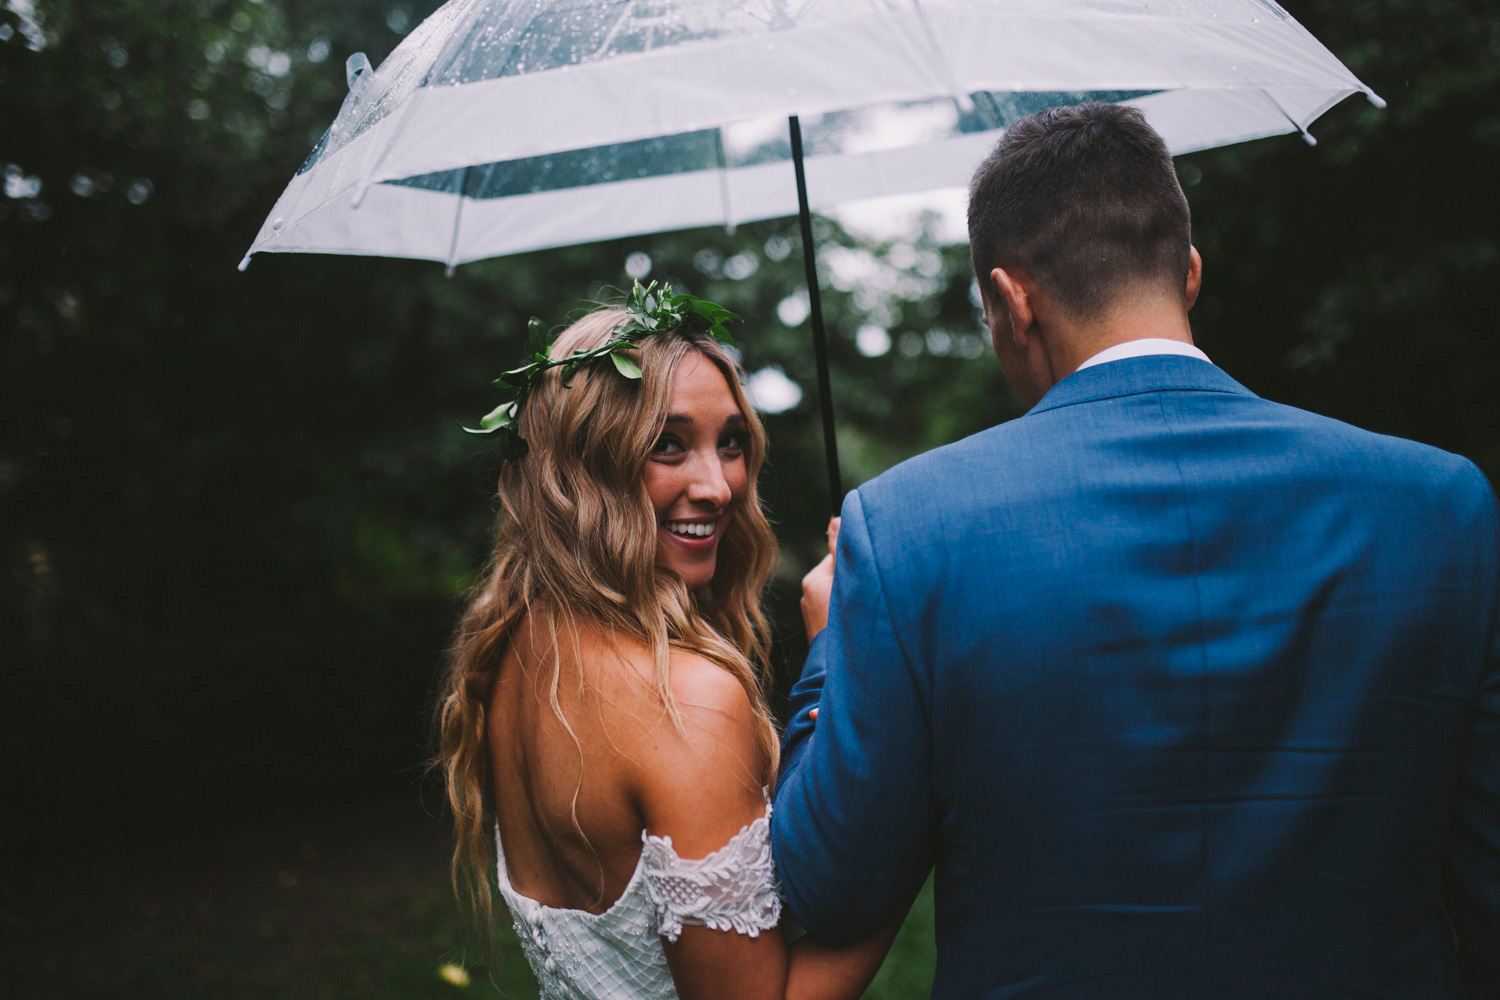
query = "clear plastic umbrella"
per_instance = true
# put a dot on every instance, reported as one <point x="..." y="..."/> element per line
<point x="500" y="126"/>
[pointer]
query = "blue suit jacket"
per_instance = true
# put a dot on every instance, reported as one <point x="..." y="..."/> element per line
<point x="1185" y="694"/>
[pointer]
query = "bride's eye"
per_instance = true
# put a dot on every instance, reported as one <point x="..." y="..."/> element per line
<point x="667" y="446"/>
<point x="734" y="441"/>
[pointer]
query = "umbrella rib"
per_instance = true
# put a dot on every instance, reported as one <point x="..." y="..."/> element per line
<point x="724" y="180"/>
<point x="1307" y="136"/>
<point x="939" y="61"/>
<point x="614" y="29"/>
<point x="991" y="109"/>
<point x="458" y="214"/>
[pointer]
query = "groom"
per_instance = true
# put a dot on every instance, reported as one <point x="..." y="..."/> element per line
<point x="1186" y="694"/>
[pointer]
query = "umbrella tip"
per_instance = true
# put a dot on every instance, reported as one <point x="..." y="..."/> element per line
<point x="1375" y="99"/>
<point x="448" y="271"/>
<point x="245" y="263"/>
<point x="1309" y="138"/>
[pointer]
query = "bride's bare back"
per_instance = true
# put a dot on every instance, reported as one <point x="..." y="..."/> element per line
<point x="572" y="805"/>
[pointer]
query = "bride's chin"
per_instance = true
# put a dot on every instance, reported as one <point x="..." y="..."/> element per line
<point x="695" y="576"/>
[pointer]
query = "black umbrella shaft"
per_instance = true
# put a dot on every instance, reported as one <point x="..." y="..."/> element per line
<point x="820" y="339"/>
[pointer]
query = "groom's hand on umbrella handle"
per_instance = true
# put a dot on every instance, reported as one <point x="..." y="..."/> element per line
<point x="817" y="586"/>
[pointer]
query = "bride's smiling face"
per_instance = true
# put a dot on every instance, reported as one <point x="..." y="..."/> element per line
<point x="696" y="475"/>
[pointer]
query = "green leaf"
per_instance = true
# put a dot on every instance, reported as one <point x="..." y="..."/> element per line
<point x="501" y="418"/>
<point x="539" y="337"/>
<point x="625" y="366"/>
<point x="503" y="415"/>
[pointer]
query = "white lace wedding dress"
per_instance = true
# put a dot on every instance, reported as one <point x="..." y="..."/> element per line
<point x="617" y="954"/>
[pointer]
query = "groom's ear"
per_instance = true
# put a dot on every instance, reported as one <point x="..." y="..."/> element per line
<point x="1011" y="295"/>
<point x="1194" y="275"/>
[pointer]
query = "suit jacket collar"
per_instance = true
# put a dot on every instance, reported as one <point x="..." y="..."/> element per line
<point x="1130" y="376"/>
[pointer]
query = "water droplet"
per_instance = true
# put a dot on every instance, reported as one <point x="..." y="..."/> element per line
<point x="278" y="224"/>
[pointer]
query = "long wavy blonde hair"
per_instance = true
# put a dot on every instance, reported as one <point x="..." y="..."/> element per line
<point x="576" y="546"/>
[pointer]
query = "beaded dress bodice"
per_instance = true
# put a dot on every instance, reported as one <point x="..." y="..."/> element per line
<point x="618" y="954"/>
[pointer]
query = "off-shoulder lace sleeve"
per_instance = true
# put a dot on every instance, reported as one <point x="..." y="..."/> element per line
<point x="734" y="888"/>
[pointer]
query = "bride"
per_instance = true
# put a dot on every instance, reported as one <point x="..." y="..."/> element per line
<point x="604" y="728"/>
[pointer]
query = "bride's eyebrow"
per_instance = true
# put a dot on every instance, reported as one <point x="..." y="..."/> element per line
<point x="736" y="419"/>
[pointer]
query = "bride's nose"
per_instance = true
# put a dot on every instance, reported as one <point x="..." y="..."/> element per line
<point x="708" y="485"/>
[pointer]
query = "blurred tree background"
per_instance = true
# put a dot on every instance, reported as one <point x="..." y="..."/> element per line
<point x="237" y="514"/>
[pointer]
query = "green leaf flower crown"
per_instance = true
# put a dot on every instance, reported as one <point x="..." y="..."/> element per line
<point x="649" y="309"/>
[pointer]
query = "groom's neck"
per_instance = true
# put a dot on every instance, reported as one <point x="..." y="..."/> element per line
<point x="1129" y="317"/>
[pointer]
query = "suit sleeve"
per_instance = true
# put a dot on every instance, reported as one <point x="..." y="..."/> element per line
<point x="852" y="823"/>
<point x="1473" y="884"/>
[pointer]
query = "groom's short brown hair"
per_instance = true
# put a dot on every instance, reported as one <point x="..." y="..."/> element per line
<point x="1085" y="200"/>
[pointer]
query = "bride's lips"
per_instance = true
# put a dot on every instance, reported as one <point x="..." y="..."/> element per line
<point x="696" y="534"/>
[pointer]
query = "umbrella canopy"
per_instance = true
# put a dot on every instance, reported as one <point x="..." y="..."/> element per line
<point x="500" y="126"/>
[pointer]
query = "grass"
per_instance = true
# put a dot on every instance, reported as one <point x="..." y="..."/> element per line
<point x="353" y="903"/>
<point x="907" y="972"/>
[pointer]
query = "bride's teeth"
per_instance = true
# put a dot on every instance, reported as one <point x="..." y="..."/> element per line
<point x="687" y="528"/>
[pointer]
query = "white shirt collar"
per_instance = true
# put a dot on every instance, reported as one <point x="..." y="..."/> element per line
<point x="1141" y="348"/>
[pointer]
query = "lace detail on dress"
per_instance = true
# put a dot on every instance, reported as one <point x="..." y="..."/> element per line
<point x="619" y="954"/>
<point x="734" y="888"/>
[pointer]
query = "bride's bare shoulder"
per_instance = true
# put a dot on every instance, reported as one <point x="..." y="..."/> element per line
<point x="711" y="695"/>
<point x="624" y="672"/>
<point x="702" y="781"/>
<point x="705" y="761"/>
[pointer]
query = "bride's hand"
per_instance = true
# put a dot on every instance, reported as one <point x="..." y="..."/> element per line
<point x="817" y="586"/>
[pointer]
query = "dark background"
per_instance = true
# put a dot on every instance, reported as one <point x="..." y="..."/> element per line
<point x="237" y="515"/>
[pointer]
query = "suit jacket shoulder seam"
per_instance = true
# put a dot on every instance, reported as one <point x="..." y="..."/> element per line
<point x="1138" y="392"/>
